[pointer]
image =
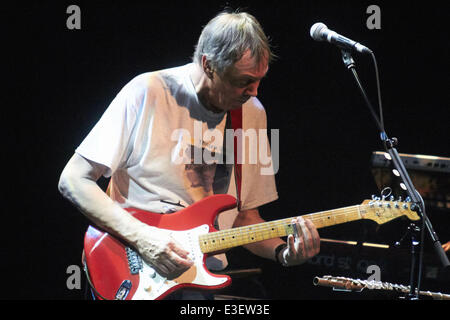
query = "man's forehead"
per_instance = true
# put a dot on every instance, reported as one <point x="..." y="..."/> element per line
<point x="250" y="66"/>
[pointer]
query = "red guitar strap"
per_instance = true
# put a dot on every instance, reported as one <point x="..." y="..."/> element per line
<point x="236" y="123"/>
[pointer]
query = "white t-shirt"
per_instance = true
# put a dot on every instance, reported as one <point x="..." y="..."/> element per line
<point x="162" y="146"/>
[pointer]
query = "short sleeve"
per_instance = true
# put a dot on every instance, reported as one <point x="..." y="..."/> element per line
<point x="258" y="176"/>
<point x="108" y="141"/>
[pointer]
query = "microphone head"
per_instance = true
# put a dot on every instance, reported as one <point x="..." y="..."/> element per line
<point x="316" y="31"/>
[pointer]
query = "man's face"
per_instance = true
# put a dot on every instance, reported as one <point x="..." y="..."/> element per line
<point x="239" y="83"/>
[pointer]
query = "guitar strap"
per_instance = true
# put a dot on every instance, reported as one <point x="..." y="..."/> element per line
<point x="235" y="117"/>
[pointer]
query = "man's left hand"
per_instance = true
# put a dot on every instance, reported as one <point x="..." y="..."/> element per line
<point x="302" y="245"/>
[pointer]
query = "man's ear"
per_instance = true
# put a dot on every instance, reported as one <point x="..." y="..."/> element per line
<point x="207" y="67"/>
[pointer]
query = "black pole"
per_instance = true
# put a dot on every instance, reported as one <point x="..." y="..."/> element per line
<point x="417" y="201"/>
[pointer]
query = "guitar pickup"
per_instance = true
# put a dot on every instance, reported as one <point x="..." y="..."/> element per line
<point x="134" y="261"/>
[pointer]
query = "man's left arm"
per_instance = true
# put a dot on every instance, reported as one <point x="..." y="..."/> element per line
<point x="299" y="247"/>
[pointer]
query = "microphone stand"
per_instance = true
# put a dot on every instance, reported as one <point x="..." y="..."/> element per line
<point x="417" y="205"/>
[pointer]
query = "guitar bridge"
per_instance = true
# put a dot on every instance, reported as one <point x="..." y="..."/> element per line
<point x="134" y="261"/>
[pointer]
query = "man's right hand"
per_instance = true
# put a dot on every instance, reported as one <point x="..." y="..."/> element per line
<point x="78" y="183"/>
<point x="162" y="252"/>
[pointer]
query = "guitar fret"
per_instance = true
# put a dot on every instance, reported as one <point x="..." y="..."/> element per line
<point x="333" y="217"/>
<point x="221" y="240"/>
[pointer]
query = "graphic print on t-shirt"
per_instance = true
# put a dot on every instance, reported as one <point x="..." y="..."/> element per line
<point x="204" y="167"/>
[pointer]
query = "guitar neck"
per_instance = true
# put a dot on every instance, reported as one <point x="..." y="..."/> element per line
<point x="230" y="238"/>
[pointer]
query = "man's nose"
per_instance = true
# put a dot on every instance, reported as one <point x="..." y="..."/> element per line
<point x="252" y="89"/>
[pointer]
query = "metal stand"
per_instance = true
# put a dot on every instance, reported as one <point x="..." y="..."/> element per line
<point x="417" y="201"/>
<point x="411" y="234"/>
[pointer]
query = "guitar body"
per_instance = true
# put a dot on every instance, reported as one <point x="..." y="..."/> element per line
<point x="117" y="272"/>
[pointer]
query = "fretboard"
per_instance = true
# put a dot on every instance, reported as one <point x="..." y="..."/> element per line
<point x="230" y="238"/>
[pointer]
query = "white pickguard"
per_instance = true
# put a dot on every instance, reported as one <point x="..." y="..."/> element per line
<point x="152" y="285"/>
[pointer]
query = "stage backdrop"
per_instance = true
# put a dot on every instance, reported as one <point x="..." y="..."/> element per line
<point x="61" y="74"/>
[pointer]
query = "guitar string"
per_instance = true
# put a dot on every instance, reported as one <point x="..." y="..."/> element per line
<point x="268" y="226"/>
<point x="266" y="230"/>
<point x="271" y="229"/>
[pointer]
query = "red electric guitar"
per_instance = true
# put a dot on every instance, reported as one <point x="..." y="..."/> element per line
<point x="117" y="272"/>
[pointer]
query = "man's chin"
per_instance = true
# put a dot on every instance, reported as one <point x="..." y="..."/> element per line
<point x="235" y="106"/>
<point x="239" y="104"/>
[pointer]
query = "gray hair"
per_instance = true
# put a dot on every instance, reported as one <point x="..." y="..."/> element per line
<point x="226" y="38"/>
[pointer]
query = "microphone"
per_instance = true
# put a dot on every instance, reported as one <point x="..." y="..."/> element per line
<point x="320" y="32"/>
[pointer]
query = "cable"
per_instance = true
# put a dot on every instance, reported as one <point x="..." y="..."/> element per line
<point x="377" y="76"/>
<point x="379" y="123"/>
<point x="422" y="240"/>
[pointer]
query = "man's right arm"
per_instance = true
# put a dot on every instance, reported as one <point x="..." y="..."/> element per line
<point x="78" y="184"/>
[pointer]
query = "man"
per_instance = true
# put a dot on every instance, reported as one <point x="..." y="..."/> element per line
<point x="146" y="133"/>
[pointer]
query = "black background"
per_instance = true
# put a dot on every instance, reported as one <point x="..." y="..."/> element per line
<point x="58" y="82"/>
